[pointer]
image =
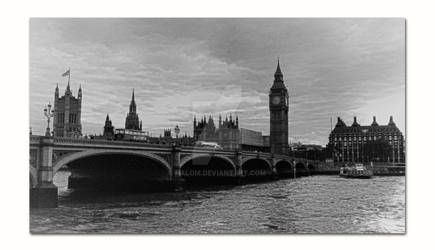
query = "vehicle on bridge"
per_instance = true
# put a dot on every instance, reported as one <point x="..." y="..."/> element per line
<point x="131" y="135"/>
<point x="209" y="145"/>
<point x="357" y="170"/>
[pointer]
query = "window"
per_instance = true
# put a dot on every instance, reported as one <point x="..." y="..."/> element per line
<point x="61" y="117"/>
<point x="72" y="118"/>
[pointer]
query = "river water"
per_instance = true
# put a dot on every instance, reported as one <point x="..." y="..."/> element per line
<point x="316" y="204"/>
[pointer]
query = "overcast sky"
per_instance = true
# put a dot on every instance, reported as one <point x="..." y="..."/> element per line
<point x="183" y="67"/>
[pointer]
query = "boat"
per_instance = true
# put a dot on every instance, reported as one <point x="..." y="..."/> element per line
<point x="357" y="170"/>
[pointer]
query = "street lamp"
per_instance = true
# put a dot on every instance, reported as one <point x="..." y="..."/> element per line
<point x="177" y="131"/>
<point x="48" y="113"/>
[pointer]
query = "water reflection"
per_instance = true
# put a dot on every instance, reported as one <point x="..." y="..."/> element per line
<point x="317" y="204"/>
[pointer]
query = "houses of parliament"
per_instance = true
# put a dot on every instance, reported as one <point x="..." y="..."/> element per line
<point x="227" y="132"/>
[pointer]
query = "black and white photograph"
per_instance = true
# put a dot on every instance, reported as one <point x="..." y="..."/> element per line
<point x="217" y="125"/>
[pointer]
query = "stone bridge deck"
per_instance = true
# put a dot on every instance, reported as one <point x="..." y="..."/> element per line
<point x="49" y="154"/>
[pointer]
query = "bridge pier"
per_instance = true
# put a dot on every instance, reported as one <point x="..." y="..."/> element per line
<point x="239" y="169"/>
<point x="177" y="180"/>
<point x="275" y="175"/>
<point x="44" y="194"/>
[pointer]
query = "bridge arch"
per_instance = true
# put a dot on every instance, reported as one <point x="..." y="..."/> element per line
<point x="244" y="160"/>
<point x="95" y="152"/>
<point x="284" y="168"/>
<point x="116" y="170"/>
<point x="311" y="167"/>
<point x="256" y="168"/>
<point x="301" y="169"/>
<point x="208" y="169"/>
<point x="186" y="159"/>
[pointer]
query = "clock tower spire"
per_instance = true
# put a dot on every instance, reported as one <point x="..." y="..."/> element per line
<point x="278" y="107"/>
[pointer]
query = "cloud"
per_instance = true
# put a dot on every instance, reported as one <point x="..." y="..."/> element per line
<point x="185" y="67"/>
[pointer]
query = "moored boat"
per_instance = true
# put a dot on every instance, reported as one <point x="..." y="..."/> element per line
<point x="357" y="170"/>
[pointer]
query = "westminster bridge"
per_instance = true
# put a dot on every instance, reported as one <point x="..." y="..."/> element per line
<point x="106" y="164"/>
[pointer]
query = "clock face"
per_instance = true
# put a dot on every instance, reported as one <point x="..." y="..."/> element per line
<point x="276" y="100"/>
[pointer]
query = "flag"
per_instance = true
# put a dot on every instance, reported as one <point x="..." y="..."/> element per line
<point x="66" y="73"/>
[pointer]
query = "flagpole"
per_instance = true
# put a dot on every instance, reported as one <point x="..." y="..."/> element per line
<point x="69" y="74"/>
<point x="332" y="141"/>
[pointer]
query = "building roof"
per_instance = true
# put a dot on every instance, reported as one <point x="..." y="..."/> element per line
<point x="278" y="83"/>
<point x="341" y="128"/>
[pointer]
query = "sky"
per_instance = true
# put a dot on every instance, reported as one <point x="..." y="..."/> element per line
<point x="180" y="68"/>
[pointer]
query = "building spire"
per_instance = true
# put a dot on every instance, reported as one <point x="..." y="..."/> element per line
<point x="278" y="82"/>
<point x="132" y="103"/>
<point x="56" y="91"/>
<point x="278" y="69"/>
<point x="374" y="123"/>
<point x="69" y="77"/>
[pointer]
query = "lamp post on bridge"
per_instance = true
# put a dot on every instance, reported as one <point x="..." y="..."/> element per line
<point x="177" y="131"/>
<point x="48" y="113"/>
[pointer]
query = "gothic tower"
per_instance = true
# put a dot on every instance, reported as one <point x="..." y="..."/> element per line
<point x="67" y="113"/>
<point x="108" y="128"/>
<point x="278" y="107"/>
<point x="132" y="119"/>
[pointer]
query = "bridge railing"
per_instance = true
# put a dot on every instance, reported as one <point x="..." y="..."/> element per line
<point x="66" y="140"/>
<point x="81" y="141"/>
<point x="85" y="141"/>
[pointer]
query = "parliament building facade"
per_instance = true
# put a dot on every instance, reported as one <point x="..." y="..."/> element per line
<point x="226" y="134"/>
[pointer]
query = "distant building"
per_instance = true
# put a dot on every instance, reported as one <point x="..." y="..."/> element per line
<point x="251" y="140"/>
<point x="227" y="133"/>
<point x="108" y="128"/>
<point x="132" y="119"/>
<point x="308" y="151"/>
<point x="266" y="141"/>
<point x="167" y="139"/>
<point x="67" y="113"/>
<point x="305" y="147"/>
<point x="167" y="133"/>
<point x="358" y="143"/>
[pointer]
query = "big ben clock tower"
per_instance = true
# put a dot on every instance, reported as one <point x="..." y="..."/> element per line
<point x="278" y="107"/>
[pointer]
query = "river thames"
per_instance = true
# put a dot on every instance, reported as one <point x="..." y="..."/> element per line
<point x="316" y="204"/>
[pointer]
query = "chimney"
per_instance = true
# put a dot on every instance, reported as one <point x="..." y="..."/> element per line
<point x="391" y="122"/>
<point x="374" y="123"/>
